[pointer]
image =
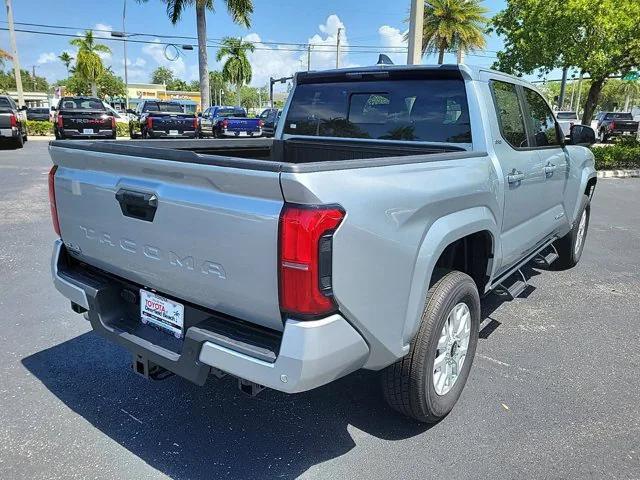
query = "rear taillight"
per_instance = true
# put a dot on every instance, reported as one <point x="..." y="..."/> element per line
<point x="225" y="123"/>
<point x="13" y="121"/>
<point x="150" y="123"/>
<point x="195" y="123"/>
<point x="52" y="199"/>
<point x="613" y="125"/>
<point x="113" y="122"/>
<point x="59" y="121"/>
<point x="261" y="123"/>
<point x="306" y="251"/>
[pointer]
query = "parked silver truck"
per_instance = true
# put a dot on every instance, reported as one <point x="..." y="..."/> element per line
<point x="362" y="237"/>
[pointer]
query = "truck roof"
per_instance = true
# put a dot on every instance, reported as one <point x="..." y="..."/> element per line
<point x="471" y="72"/>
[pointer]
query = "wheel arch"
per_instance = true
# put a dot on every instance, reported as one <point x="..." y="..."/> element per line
<point x="476" y="228"/>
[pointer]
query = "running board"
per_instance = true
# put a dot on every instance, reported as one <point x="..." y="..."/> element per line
<point x="547" y="255"/>
<point x="514" y="287"/>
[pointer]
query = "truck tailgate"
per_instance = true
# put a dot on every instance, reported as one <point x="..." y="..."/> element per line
<point x="212" y="238"/>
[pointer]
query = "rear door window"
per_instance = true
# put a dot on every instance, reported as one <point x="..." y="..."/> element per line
<point x="509" y="112"/>
<point x="425" y="110"/>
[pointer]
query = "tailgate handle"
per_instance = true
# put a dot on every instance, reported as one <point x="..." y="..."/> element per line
<point x="138" y="205"/>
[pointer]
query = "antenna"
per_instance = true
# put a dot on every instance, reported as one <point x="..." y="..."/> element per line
<point x="384" y="60"/>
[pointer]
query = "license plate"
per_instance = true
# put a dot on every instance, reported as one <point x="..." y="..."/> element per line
<point x="627" y="133"/>
<point x="173" y="132"/>
<point x="87" y="131"/>
<point x="162" y="312"/>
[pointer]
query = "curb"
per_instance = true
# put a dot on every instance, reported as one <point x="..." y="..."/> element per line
<point x="618" y="173"/>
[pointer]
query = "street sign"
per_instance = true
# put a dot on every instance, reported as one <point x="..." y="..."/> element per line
<point x="632" y="76"/>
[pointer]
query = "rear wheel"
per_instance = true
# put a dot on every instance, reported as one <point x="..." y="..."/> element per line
<point x="570" y="246"/>
<point x="428" y="381"/>
<point x="18" y="142"/>
<point x="602" y="137"/>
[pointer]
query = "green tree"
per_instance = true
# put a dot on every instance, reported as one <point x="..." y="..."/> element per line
<point x="88" y="62"/>
<point x="453" y="25"/>
<point x="219" y="88"/>
<point x="162" y="76"/>
<point x="600" y="38"/>
<point x="239" y="10"/>
<point x="110" y="85"/>
<point x="629" y="89"/>
<point x="236" y="69"/>
<point x="65" y="58"/>
<point x="4" y="55"/>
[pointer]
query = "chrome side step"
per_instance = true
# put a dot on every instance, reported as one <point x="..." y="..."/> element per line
<point x="547" y="255"/>
<point x="514" y="285"/>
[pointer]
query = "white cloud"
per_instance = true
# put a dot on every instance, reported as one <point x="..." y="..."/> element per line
<point x="156" y="51"/>
<point x="393" y="37"/>
<point x="47" y="57"/>
<point x="280" y="61"/>
<point x="102" y="30"/>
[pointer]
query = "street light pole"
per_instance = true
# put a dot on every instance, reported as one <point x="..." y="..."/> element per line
<point x="416" y="21"/>
<point x="126" y="76"/>
<point x="338" y="48"/>
<point x="14" y="51"/>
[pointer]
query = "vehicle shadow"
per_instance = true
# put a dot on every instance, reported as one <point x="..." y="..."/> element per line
<point x="186" y="431"/>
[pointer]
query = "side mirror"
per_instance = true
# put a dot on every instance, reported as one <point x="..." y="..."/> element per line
<point x="582" y="135"/>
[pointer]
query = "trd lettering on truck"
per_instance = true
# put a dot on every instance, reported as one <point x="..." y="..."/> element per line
<point x="187" y="262"/>
<point x="362" y="236"/>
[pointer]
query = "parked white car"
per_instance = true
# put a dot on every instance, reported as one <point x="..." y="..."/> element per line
<point x="566" y="120"/>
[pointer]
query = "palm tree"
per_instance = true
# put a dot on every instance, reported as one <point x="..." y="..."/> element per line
<point x="240" y="11"/>
<point x="4" y="55"/>
<point x="236" y="69"/>
<point x="88" y="63"/>
<point x="66" y="59"/>
<point x="453" y="24"/>
<point x="629" y="88"/>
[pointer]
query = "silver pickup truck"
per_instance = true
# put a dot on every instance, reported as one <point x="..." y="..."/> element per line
<point x="363" y="236"/>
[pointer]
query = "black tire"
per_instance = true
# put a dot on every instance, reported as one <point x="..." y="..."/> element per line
<point x="602" y="137"/>
<point x="568" y="255"/>
<point x="408" y="384"/>
<point x="18" y="142"/>
<point x="114" y="136"/>
<point x="143" y="134"/>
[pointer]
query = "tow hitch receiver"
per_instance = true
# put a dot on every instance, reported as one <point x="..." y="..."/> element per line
<point x="149" y="370"/>
<point x="250" y="388"/>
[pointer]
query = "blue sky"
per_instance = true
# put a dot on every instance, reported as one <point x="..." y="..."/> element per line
<point x="371" y="22"/>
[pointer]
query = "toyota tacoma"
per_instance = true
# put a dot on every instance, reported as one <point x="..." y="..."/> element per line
<point x="361" y="237"/>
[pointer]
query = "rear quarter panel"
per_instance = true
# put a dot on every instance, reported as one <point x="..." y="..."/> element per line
<point x="399" y="218"/>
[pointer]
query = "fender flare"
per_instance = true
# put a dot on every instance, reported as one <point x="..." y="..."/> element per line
<point x="442" y="233"/>
<point x="586" y="176"/>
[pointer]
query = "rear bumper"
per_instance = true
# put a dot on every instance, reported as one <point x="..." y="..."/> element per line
<point x="6" y="133"/>
<point x="309" y="353"/>
<point x="161" y="134"/>
<point x="100" y="133"/>
<point x="241" y="133"/>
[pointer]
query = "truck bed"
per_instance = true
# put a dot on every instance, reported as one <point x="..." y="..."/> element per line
<point x="273" y="155"/>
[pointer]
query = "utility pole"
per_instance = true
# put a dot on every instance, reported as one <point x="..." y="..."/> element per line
<point x="126" y="77"/>
<point x="14" y="52"/>
<point x="33" y="75"/>
<point x="308" y="57"/>
<point x="579" y="93"/>
<point x="338" y="48"/>
<point x="416" y="21"/>
<point x="563" y="87"/>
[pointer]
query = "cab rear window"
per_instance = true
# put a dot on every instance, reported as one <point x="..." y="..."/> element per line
<point x="431" y="110"/>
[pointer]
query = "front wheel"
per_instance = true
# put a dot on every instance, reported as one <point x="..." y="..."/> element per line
<point x="428" y="381"/>
<point x="602" y="137"/>
<point x="570" y="246"/>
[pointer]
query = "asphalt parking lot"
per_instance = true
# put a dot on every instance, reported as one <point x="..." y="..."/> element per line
<point x="554" y="391"/>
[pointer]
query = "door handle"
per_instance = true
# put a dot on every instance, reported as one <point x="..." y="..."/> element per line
<point x="515" y="176"/>
<point x="550" y="168"/>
